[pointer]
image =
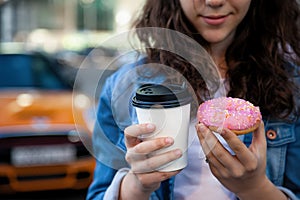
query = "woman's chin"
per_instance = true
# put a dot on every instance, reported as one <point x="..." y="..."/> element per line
<point x="216" y="37"/>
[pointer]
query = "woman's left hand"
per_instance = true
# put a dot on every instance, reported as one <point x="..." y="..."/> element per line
<point x="242" y="172"/>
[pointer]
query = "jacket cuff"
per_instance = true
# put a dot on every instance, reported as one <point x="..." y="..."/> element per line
<point x="112" y="192"/>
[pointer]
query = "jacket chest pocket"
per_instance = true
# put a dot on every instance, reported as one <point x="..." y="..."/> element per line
<point x="278" y="136"/>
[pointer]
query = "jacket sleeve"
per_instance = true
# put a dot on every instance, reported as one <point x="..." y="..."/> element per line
<point x="113" y="115"/>
<point x="108" y="150"/>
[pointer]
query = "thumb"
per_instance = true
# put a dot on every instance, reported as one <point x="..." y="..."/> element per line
<point x="259" y="138"/>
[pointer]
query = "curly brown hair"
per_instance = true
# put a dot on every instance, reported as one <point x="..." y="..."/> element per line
<point x="265" y="50"/>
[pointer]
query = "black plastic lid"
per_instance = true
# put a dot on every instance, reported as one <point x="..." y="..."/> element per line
<point x="158" y="96"/>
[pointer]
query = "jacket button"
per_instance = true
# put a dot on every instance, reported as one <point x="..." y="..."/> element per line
<point x="271" y="134"/>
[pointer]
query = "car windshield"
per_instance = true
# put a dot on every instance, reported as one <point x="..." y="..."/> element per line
<point x="23" y="71"/>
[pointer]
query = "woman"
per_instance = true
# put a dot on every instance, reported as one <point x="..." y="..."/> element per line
<point x="255" y="45"/>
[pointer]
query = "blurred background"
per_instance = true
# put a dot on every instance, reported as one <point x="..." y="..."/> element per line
<point x="52" y="25"/>
<point x="47" y="110"/>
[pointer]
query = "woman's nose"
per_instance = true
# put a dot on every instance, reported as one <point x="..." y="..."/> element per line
<point x="215" y="3"/>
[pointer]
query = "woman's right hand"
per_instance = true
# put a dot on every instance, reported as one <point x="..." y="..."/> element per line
<point x="143" y="177"/>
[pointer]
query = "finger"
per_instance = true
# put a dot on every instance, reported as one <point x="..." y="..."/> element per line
<point x="149" y="146"/>
<point x="244" y="155"/>
<point x="212" y="160"/>
<point x="132" y="132"/>
<point x="155" y="161"/>
<point x="204" y="136"/>
<point x="259" y="140"/>
<point x="153" y="177"/>
<point x="143" y="149"/>
<point x="215" y="152"/>
<point x="218" y="171"/>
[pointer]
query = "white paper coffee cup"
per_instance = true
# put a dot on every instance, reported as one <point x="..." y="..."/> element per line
<point x="168" y="107"/>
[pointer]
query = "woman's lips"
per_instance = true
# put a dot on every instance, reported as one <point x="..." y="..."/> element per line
<point x="214" y="20"/>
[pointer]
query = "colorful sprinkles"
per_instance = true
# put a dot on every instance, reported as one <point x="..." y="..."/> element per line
<point x="228" y="112"/>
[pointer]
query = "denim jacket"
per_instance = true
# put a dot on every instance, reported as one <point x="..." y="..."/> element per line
<point x="115" y="113"/>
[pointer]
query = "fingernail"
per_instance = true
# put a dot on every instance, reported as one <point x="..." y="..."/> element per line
<point x="220" y="130"/>
<point x="150" y="126"/>
<point x="223" y="131"/>
<point x="201" y="127"/>
<point x="169" y="140"/>
<point x="178" y="152"/>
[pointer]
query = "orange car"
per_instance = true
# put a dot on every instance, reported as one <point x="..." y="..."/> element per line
<point x="44" y="134"/>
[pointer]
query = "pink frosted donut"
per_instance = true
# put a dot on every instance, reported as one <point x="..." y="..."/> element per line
<point x="238" y="115"/>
